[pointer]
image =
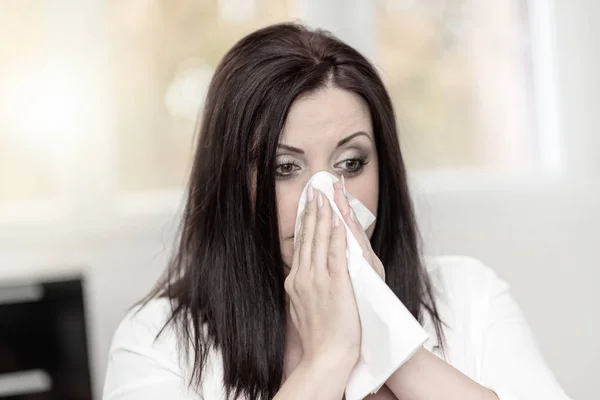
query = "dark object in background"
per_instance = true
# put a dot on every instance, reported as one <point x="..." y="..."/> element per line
<point x="43" y="342"/>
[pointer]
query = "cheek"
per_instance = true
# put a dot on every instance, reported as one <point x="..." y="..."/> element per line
<point x="287" y="207"/>
<point x="366" y="189"/>
<point x="371" y="203"/>
<point x="371" y="195"/>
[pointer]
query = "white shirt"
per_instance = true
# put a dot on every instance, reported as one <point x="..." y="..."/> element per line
<point x="487" y="339"/>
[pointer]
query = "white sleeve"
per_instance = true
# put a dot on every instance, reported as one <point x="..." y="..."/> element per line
<point x="142" y="366"/>
<point x="512" y="365"/>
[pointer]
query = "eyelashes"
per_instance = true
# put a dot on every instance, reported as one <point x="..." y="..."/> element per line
<point x="351" y="166"/>
<point x="286" y="169"/>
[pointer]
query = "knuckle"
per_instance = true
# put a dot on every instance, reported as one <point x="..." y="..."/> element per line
<point x="295" y="283"/>
<point x="300" y="285"/>
<point x="338" y="237"/>
<point x="308" y="211"/>
<point x="337" y="230"/>
<point x="320" y="216"/>
<point x="325" y="211"/>
<point x="303" y="237"/>
<point x="288" y="284"/>
<point x="332" y="255"/>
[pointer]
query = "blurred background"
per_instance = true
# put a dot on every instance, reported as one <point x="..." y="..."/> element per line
<point x="497" y="103"/>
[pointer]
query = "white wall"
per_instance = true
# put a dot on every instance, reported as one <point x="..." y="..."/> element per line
<point x="578" y="50"/>
<point x="543" y="238"/>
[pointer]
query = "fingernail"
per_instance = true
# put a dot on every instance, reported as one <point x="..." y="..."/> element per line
<point x="344" y="187"/>
<point x="352" y="216"/>
<point x="320" y="196"/>
<point x="310" y="194"/>
<point x="336" y="220"/>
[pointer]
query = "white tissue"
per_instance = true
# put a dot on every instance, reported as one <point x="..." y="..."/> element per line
<point x="390" y="334"/>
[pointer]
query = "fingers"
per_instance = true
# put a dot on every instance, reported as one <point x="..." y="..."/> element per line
<point x="300" y="245"/>
<point x="296" y="253"/>
<point x="359" y="233"/>
<point x="341" y="201"/>
<point x="307" y="231"/>
<point x="337" y="263"/>
<point x="322" y="234"/>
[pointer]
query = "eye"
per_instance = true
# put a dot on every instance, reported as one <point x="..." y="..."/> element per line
<point x="286" y="169"/>
<point x="352" y="166"/>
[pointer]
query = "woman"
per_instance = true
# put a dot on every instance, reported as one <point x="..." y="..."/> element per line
<point x="242" y="313"/>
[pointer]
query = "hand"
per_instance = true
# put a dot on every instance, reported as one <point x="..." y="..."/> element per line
<point x="341" y="200"/>
<point x="322" y="304"/>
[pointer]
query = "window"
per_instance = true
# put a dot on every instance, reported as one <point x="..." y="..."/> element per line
<point x="25" y="166"/>
<point x="163" y="56"/>
<point x="99" y="98"/>
<point x="459" y="72"/>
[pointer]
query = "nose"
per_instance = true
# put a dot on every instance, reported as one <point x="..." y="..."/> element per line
<point x="323" y="167"/>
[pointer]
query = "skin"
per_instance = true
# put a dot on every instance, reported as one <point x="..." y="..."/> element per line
<point x="316" y="123"/>
<point x="309" y="142"/>
<point x="330" y="130"/>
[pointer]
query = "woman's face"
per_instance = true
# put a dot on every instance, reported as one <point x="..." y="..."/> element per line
<point x="328" y="130"/>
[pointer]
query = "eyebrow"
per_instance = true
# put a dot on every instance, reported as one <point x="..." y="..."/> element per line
<point x="349" y="138"/>
<point x="339" y="144"/>
<point x="290" y="148"/>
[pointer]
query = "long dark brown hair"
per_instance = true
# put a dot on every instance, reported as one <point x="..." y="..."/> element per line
<point x="225" y="280"/>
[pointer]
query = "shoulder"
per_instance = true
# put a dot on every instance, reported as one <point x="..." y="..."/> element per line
<point x="144" y="352"/>
<point x="147" y="353"/>
<point x="151" y="314"/>
<point x="147" y="327"/>
<point x="459" y="276"/>
<point x="464" y="290"/>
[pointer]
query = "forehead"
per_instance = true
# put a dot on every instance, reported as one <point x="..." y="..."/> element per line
<point x="327" y="114"/>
